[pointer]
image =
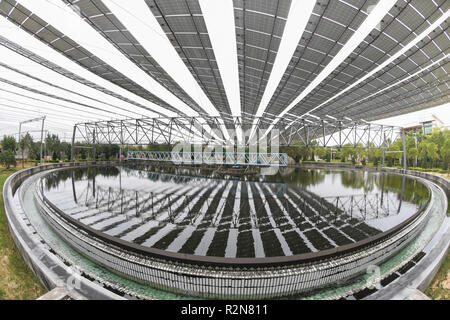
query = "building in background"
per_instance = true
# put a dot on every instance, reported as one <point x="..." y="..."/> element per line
<point x="425" y="124"/>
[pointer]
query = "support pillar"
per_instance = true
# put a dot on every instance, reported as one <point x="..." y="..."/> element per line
<point x="20" y="133"/>
<point x="94" y="150"/>
<point x="42" y="138"/>
<point x="405" y="164"/>
<point x="73" y="144"/>
<point x="384" y="148"/>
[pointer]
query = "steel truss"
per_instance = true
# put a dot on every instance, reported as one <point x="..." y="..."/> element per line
<point x="289" y="131"/>
<point x="245" y="131"/>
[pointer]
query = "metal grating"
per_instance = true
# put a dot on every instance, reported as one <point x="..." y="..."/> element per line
<point x="432" y="48"/>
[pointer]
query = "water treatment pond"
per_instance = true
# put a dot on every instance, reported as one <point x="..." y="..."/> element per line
<point x="201" y="212"/>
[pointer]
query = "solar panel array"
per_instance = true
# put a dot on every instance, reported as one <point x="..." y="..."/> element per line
<point x="100" y="17"/>
<point x="259" y="28"/>
<point x="45" y="32"/>
<point x="184" y="25"/>
<point x="417" y="79"/>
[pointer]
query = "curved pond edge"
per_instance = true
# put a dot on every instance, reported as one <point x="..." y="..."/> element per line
<point x="33" y="254"/>
<point x="47" y="266"/>
<point x="420" y="276"/>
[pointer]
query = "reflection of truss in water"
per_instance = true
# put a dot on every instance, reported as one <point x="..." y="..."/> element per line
<point x="366" y="207"/>
<point x="176" y="207"/>
<point x="182" y="208"/>
<point x="231" y="218"/>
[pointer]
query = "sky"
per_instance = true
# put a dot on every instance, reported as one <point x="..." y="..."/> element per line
<point x="84" y="104"/>
<point x="442" y="112"/>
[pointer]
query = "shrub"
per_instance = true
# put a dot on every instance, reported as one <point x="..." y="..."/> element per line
<point x="7" y="158"/>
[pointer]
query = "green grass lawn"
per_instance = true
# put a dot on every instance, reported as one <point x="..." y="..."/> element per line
<point x="17" y="281"/>
<point x="440" y="286"/>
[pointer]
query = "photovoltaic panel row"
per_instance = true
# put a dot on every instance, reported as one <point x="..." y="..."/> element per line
<point x="183" y="23"/>
<point x="105" y="22"/>
<point x="43" y="31"/>
<point x="364" y="60"/>
<point x="329" y="28"/>
<point x="259" y="28"/>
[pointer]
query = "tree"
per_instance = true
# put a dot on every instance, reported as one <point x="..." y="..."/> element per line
<point x="26" y="143"/>
<point x="7" y="158"/>
<point x="432" y="152"/>
<point x="445" y="151"/>
<point x="353" y="153"/>
<point x="9" y="143"/>
<point x="374" y="154"/>
<point x="65" y="149"/>
<point x="422" y="153"/>
<point x="53" y="146"/>
<point x="321" y="152"/>
<point x="428" y="153"/>
<point x="412" y="153"/>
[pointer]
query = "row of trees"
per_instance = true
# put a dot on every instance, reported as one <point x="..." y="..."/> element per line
<point x="426" y="151"/>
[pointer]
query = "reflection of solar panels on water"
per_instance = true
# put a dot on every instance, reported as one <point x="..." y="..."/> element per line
<point x="219" y="217"/>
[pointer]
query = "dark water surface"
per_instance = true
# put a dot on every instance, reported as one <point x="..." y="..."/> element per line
<point x="205" y="213"/>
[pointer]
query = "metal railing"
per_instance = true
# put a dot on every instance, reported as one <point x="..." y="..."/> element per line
<point x="237" y="158"/>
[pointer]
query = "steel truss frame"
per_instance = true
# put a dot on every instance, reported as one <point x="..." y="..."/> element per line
<point x="289" y="131"/>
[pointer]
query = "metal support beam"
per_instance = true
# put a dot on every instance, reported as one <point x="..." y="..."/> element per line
<point x="73" y="144"/>
<point x="42" y="139"/>
<point x="384" y="149"/>
<point x="405" y="164"/>
<point x="94" y="150"/>
<point x="288" y="131"/>
<point x="20" y="132"/>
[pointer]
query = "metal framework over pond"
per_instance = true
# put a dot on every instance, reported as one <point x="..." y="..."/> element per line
<point x="241" y="132"/>
<point x="287" y="131"/>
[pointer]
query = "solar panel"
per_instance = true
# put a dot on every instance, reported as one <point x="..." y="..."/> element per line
<point x="415" y="80"/>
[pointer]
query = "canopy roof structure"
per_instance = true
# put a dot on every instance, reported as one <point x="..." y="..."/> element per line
<point x="257" y="60"/>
